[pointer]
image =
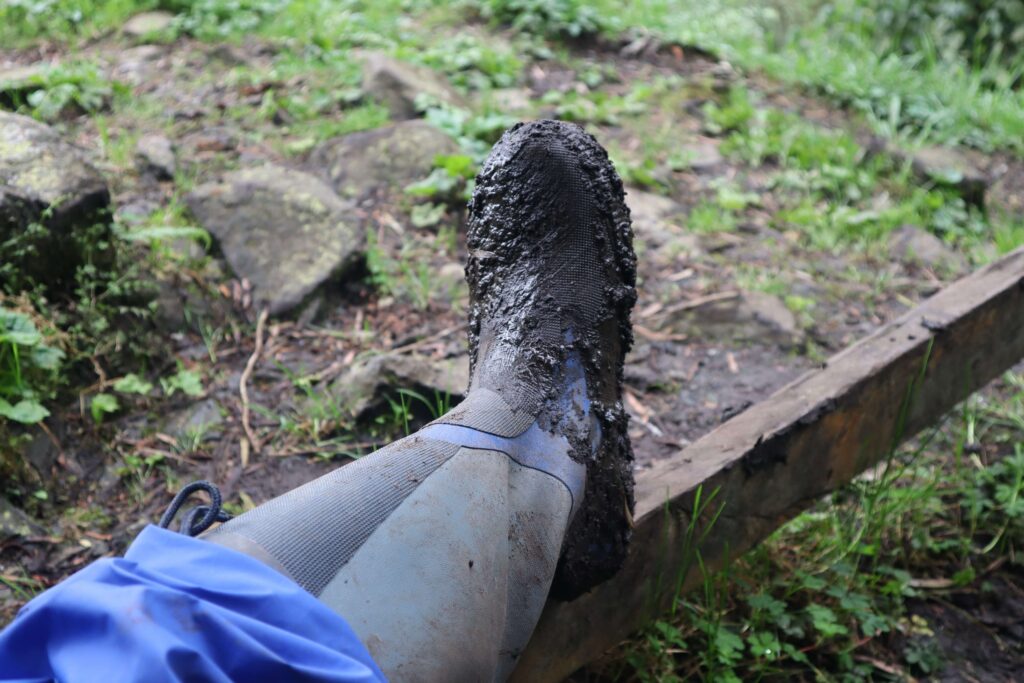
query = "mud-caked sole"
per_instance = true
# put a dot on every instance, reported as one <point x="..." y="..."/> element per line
<point x="552" y="276"/>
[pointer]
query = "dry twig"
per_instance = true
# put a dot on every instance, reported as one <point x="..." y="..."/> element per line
<point x="250" y="442"/>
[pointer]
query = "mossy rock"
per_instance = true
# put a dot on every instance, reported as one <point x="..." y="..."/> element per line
<point x="49" y="195"/>
<point x="400" y="85"/>
<point x="383" y="160"/>
<point x="366" y="386"/>
<point x="285" y="231"/>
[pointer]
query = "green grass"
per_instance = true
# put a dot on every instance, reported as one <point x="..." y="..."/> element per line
<point x="831" y="189"/>
<point x="816" y="598"/>
<point x="919" y="97"/>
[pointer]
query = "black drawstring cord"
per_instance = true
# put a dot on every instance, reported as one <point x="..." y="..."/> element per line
<point x="207" y="514"/>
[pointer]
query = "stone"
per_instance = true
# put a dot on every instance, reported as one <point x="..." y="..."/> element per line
<point x="950" y="167"/>
<point x="14" y="523"/>
<point x="367" y="385"/>
<point x="18" y="82"/>
<point x="283" y="230"/>
<point x="213" y="139"/>
<point x="400" y="86"/>
<point x="913" y="245"/>
<point x="1006" y="195"/>
<point x="154" y="155"/>
<point x="41" y="452"/>
<point x="170" y="315"/>
<point x="702" y="155"/>
<point x="380" y="160"/>
<point x="512" y="100"/>
<point x="147" y="23"/>
<point x="138" y="65"/>
<point x="227" y="54"/>
<point x="198" y="422"/>
<point x="451" y="281"/>
<point x="46" y="180"/>
<point x="653" y="227"/>
<point x="749" y="317"/>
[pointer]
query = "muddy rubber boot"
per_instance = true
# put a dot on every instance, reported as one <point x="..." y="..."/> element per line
<point x="440" y="549"/>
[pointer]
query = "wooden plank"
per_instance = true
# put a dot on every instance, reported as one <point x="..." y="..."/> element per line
<point x="773" y="460"/>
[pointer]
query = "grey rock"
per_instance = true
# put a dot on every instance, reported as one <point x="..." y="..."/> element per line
<point x="913" y="245"/>
<point x="1006" y="194"/>
<point x="702" y="155"/>
<point x="170" y="313"/>
<point x="451" y="281"/>
<point x="367" y="385"/>
<point x="750" y="316"/>
<point x="211" y="140"/>
<point x="17" y="82"/>
<point x="512" y="100"/>
<point x="14" y="523"/>
<point x="283" y="230"/>
<point x="199" y="421"/>
<point x="154" y="155"/>
<point x="41" y="452"/>
<point x="227" y="54"/>
<point x="137" y="65"/>
<point x="385" y="159"/>
<point x="950" y="167"/>
<point x="400" y="85"/>
<point x="44" y="179"/>
<point x="37" y="163"/>
<point x="654" y="226"/>
<point x="147" y="23"/>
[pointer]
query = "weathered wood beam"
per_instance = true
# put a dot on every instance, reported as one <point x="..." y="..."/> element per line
<point x="770" y="462"/>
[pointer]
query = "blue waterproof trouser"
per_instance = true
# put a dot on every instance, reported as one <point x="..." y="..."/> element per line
<point x="176" y="608"/>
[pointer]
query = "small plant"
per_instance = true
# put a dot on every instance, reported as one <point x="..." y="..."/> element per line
<point x="707" y="217"/>
<point x="28" y="368"/>
<point x="731" y="115"/>
<point x="406" y="277"/>
<point x="472" y="63"/>
<point x="924" y="655"/>
<point x="450" y="181"/>
<point x="475" y="133"/>
<point x="188" y="382"/>
<point x="555" y="18"/>
<point x="217" y="19"/>
<point x="69" y="88"/>
<point x="137" y="470"/>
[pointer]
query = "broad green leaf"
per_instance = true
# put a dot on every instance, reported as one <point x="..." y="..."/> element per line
<point x="103" y="404"/>
<point x="46" y="357"/>
<point x="17" y="328"/>
<point x="133" y="384"/>
<point x="460" y="165"/>
<point x="26" y="411"/>
<point x="186" y="381"/>
<point x="764" y="645"/>
<point x="427" y="215"/>
<point x="824" y="620"/>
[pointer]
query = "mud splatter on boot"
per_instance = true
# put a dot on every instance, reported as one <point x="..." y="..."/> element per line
<point x="552" y="277"/>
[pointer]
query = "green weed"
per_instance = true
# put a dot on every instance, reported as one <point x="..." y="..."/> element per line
<point x="557" y="18"/>
<point x="810" y="601"/>
<point x="67" y="89"/>
<point x="470" y="62"/>
<point x="29" y="367"/>
<point x="23" y="20"/>
<point x="709" y="217"/>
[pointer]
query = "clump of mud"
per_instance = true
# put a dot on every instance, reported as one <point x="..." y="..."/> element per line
<point x="552" y="276"/>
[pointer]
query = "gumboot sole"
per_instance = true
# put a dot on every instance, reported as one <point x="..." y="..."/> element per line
<point x="537" y="171"/>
